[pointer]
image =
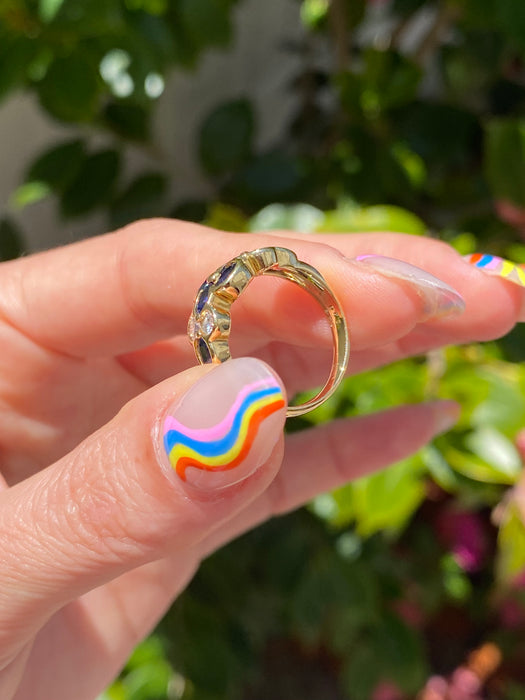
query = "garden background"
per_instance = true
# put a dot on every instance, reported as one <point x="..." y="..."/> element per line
<point x="402" y="115"/>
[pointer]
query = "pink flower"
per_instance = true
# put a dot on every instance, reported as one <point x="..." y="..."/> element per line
<point x="512" y="214"/>
<point x="511" y="614"/>
<point x="436" y="688"/>
<point x="410" y="612"/>
<point x="385" y="690"/>
<point x="463" y="533"/>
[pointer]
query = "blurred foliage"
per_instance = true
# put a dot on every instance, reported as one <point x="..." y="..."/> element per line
<point x="410" y="117"/>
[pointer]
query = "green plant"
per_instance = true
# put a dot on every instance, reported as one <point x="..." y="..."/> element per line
<point x="362" y="587"/>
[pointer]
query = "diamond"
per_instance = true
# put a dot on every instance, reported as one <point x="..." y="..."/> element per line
<point x="207" y="323"/>
<point x="193" y="329"/>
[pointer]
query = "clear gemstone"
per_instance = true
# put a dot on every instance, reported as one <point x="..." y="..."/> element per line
<point x="193" y="329"/>
<point x="207" y="323"/>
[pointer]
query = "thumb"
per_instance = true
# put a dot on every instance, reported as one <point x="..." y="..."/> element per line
<point x="174" y="464"/>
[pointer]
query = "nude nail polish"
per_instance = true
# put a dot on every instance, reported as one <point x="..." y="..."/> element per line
<point x="439" y="298"/>
<point x="226" y="425"/>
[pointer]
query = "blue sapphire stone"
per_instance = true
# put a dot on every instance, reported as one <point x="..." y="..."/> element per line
<point x="204" y="350"/>
<point x="202" y="298"/>
<point x="226" y="272"/>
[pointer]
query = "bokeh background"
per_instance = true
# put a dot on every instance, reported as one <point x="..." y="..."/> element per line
<point x="341" y="115"/>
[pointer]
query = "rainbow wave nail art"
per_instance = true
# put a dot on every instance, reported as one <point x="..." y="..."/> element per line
<point x="223" y="446"/>
<point x="499" y="267"/>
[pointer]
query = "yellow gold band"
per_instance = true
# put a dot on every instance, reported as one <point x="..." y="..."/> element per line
<point x="210" y="321"/>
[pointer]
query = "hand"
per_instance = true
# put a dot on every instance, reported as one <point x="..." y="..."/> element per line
<point x="98" y="533"/>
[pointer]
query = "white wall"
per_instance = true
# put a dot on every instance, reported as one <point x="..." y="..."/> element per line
<point x="256" y="66"/>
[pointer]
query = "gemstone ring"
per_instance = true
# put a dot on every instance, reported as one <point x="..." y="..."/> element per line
<point x="210" y="321"/>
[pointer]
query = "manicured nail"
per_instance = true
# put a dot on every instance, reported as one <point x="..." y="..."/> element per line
<point x="439" y="298"/>
<point x="499" y="267"/>
<point x="446" y="416"/>
<point x="226" y="425"/>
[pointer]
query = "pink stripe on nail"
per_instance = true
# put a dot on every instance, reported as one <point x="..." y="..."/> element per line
<point x="219" y="430"/>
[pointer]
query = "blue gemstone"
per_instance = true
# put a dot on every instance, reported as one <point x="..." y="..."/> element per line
<point x="204" y="350"/>
<point x="226" y="272"/>
<point x="202" y="297"/>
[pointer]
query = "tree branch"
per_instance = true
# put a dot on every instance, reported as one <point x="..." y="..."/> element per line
<point x="445" y="17"/>
<point x="340" y="33"/>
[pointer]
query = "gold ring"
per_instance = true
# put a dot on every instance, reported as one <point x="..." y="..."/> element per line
<point x="210" y="321"/>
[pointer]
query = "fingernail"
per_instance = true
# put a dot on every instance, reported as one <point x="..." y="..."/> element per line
<point x="498" y="267"/>
<point x="446" y="416"/>
<point x="439" y="298"/>
<point x="226" y="425"/>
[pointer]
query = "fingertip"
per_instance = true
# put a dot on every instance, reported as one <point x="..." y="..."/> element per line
<point x="224" y="427"/>
<point x="446" y="415"/>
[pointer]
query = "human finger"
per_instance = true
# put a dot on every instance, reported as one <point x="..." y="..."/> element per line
<point x="173" y="465"/>
<point x="316" y="460"/>
<point x="328" y="456"/>
<point x="468" y="274"/>
<point x="121" y="292"/>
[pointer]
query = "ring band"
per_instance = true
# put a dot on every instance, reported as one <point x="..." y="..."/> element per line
<point x="210" y="321"/>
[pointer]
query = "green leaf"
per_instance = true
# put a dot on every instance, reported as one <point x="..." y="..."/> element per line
<point x="360" y="673"/>
<point x="511" y="17"/>
<point x="328" y="586"/>
<point x="226" y="136"/>
<point x="93" y="185"/>
<point x="491" y="445"/>
<point x="401" y="654"/>
<point x="209" y="660"/>
<point x="207" y="22"/>
<point x="503" y="404"/>
<point x="350" y="218"/>
<point x="47" y="9"/>
<point x="439" y="469"/>
<point x="442" y="134"/>
<point x="142" y="199"/>
<point x="476" y="468"/>
<point x="16" y="55"/>
<point x="148" y="681"/>
<point x="505" y="159"/>
<point x="455" y="581"/>
<point x="129" y="120"/>
<point x="314" y="13"/>
<point x="267" y="178"/>
<point x="88" y="18"/>
<point x="57" y="166"/>
<point x="70" y="89"/>
<point x="225" y="218"/>
<point x="191" y="210"/>
<point x="11" y="240"/>
<point x="149" y="650"/>
<point x="511" y="544"/>
<point x="388" y="80"/>
<point x="383" y="501"/>
<point x="29" y="193"/>
<point x="405" y="8"/>
<point x="294" y="217"/>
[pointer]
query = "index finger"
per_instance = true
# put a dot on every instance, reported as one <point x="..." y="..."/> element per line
<point x="119" y="292"/>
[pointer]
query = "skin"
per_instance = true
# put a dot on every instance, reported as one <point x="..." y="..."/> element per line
<point x="96" y="542"/>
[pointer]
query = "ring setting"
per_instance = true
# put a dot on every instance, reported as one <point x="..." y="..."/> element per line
<point x="210" y="321"/>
